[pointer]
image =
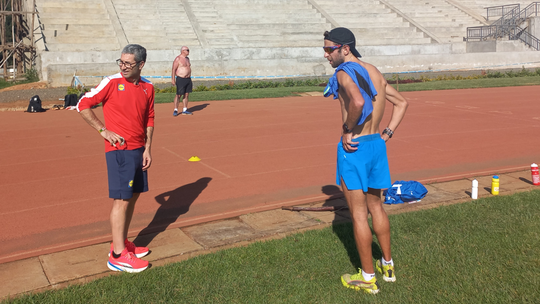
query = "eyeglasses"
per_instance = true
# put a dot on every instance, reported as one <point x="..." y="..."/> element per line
<point x="186" y="50"/>
<point x="126" y="64"/>
<point x="330" y="49"/>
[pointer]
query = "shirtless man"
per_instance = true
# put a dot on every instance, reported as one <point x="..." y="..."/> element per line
<point x="181" y="77"/>
<point x="362" y="164"/>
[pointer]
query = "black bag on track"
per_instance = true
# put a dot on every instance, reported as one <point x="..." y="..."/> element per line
<point x="71" y="100"/>
<point x="35" y="105"/>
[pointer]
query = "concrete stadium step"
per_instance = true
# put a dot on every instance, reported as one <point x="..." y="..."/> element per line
<point x="376" y="30"/>
<point x="377" y="33"/>
<point x="69" y="4"/>
<point x="360" y="11"/>
<point x="146" y="39"/>
<point x="257" y="2"/>
<point x="151" y="18"/>
<point x="373" y="21"/>
<point x="75" y="17"/>
<point x="351" y="4"/>
<point x="70" y="39"/>
<point x="105" y="28"/>
<point x="269" y="20"/>
<point x="70" y="21"/>
<point x="459" y="19"/>
<point x="445" y="24"/>
<point x="151" y="35"/>
<point x="283" y="26"/>
<point x="151" y="10"/>
<point x="82" y="47"/>
<point x="165" y="45"/>
<point x="78" y="34"/>
<point x="279" y="32"/>
<point x="391" y="41"/>
<point x="280" y="44"/>
<point x="274" y="37"/>
<point x="443" y="29"/>
<point x="239" y="16"/>
<point x="66" y="9"/>
<point x="154" y="25"/>
<point x="367" y="25"/>
<point x="254" y="8"/>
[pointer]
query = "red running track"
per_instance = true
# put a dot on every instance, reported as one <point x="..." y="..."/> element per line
<point x="255" y="155"/>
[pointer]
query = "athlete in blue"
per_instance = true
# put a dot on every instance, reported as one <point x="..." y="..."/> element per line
<point x="362" y="164"/>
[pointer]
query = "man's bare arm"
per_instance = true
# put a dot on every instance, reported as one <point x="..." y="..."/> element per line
<point x="356" y="101"/>
<point x="174" y="68"/>
<point x="398" y="111"/>
<point x="354" y="108"/>
<point x="147" y="155"/>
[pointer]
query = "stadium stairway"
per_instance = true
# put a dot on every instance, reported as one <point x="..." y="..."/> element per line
<point x="159" y="24"/>
<point x="444" y="20"/>
<point x="372" y="22"/>
<point x="262" y="38"/>
<point x="77" y="25"/>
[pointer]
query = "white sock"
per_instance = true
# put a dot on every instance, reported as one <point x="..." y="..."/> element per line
<point x="384" y="262"/>
<point x="185" y="109"/>
<point x="176" y="109"/>
<point x="368" y="276"/>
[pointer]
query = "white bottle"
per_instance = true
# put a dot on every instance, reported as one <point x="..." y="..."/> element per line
<point x="474" y="192"/>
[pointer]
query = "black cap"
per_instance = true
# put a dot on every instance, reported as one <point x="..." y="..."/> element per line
<point x="341" y="35"/>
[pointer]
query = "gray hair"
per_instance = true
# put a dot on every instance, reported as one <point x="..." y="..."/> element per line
<point x="137" y="50"/>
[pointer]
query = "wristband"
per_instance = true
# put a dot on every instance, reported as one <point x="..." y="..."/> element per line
<point x="346" y="129"/>
<point x="102" y="129"/>
<point x="388" y="132"/>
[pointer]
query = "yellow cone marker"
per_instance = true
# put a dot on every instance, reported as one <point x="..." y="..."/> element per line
<point x="194" y="159"/>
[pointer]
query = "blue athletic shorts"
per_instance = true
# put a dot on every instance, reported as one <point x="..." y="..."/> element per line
<point x="124" y="168"/>
<point x="366" y="167"/>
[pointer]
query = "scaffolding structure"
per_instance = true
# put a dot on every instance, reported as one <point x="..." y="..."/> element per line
<point x="17" y="46"/>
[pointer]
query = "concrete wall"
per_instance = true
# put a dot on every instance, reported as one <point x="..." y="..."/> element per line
<point x="534" y="26"/>
<point x="59" y="67"/>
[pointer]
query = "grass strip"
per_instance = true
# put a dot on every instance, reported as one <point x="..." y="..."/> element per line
<point x="469" y="83"/>
<point x="483" y="251"/>
<point x="295" y="91"/>
<point x="241" y="94"/>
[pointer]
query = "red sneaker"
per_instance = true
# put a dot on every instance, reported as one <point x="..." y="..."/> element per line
<point x="127" y="262"/>
<point x="138" y="251"/>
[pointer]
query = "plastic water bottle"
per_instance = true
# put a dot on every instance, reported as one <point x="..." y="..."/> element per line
<point x="474" y="191"/>
<point x="535" y="175"/>
<point x="495" y="185"/>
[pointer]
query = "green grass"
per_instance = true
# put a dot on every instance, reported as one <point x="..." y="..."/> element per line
<point x="469" y="83"/>
<point x="484" y="251"/>
<point x="31" y="76"/>
<point x="293" y="91"/>
<point x="241" y="94"/>
<point x="4" y="84"/>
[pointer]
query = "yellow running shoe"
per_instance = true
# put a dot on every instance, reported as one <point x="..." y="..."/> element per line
<point x="357" y="282"/>
<point x="387" y="271"/>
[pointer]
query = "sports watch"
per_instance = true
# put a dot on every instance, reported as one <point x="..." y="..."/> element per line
<point x="346" y="129"/>
<point x="388" y="132"/>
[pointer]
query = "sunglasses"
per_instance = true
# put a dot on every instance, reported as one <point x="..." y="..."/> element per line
<point x="330" y="49"/>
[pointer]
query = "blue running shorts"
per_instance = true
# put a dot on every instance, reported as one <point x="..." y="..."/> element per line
<point x="366" y="167"/>
<point x="124" y="168"/>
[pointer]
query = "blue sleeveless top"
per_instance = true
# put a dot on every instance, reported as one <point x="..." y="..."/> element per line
<point x="360" y="76"/>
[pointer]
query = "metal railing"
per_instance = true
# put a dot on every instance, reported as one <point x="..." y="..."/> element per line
<point x="499" y="11"/>
<point x="509" y="15"/>
<point x="507" y="25"/>
<point x="518" y="33"/>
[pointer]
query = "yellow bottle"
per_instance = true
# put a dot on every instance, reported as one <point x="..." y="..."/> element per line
<point x="495" y="185"/>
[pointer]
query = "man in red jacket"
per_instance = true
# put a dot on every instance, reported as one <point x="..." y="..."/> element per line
<point x="128" y="111"/>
